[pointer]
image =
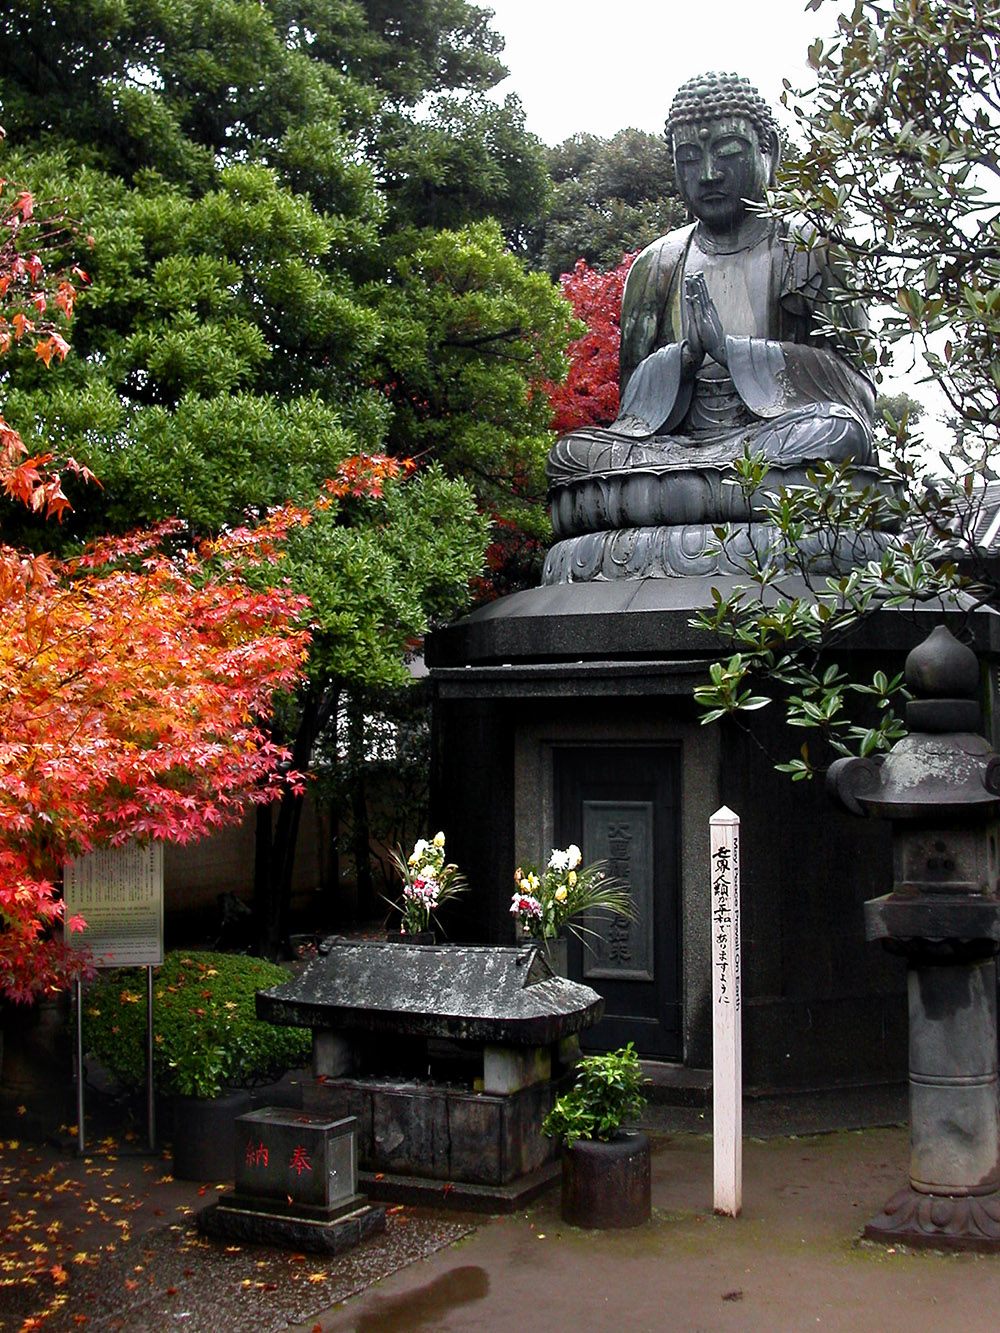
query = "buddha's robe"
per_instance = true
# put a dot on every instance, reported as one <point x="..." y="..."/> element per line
<point x="788" y="390"/>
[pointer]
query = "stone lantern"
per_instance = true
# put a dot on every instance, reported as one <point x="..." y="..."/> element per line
<point x="940" y="787"/>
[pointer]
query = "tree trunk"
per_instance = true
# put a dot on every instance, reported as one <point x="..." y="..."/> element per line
<point x="360" y="830"/>
<point x="276" y="838"/>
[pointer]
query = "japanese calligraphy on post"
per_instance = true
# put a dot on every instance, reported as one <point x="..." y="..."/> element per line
<point x="727" y="1042"/>
<point x="726" y="915"/>
<point x="119" y="893"/>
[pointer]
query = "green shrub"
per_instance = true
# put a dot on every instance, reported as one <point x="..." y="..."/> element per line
<point x="607" y="1092"/>
<point x="206" y="1036"/>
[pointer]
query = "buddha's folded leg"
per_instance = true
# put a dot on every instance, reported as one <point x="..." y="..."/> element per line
<point x="588" y="453"/>
<point x="821" y="432"/>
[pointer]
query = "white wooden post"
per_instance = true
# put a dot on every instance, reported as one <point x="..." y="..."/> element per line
<point x="727" y="1044"/>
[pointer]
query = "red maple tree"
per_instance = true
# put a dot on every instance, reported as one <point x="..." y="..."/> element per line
<point x="589" y="394"/>
<point x="134" y="681"/>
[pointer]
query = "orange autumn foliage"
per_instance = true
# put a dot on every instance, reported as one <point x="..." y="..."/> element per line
<point x="130" y="706"/>
<point x="134" y="683"/>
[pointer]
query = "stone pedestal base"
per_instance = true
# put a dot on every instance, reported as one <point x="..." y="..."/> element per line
<point x="241" y="1220"/>
<point x="513" y="1198"/>
<point x="938" y="1222"/>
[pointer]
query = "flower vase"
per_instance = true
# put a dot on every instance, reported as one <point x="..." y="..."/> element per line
<point x="556" y="955"/>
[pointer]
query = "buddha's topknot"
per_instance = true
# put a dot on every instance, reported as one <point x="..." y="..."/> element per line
<point x="715" y="96"/>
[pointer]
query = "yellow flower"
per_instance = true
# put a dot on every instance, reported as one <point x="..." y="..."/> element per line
<point x="531" y="882"/>
<point x="438" y="839"/>
<point x="572" y="878"/>
<point x="561" y="893"/>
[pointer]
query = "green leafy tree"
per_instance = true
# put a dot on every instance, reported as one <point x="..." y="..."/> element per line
<point x="899" y="165"/>
<point x="610" y="196"/>
<point x="221" y="356"/>
<point x="470" y="339"/>
<point x="232" y="165"/>
<point x="386" y="559"/>
<point x="304" y="86"/>
<point x="430" y="46"/>
<point x="466" y="159"/>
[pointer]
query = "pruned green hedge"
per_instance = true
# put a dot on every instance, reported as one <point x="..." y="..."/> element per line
<point x="206" y="1034"/>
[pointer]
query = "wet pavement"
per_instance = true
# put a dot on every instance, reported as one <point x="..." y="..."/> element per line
<point x="107" y="1242"/>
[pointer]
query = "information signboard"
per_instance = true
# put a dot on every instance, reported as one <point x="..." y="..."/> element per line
<point x="119" y="893"/>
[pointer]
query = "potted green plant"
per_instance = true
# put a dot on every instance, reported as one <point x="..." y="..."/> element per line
<point x="605" y="1168"/>
<point x="209" y="1047"/>
<point x="429" y="881"/>
<point x="546" y="901"/>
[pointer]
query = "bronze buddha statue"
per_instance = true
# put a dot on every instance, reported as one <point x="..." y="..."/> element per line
<point x="732" y="337"/>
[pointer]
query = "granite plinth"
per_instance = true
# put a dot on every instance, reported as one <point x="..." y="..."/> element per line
<point x="459" y="1194"/>
<point x="229" y="1220"/>
<point x="484" y="994"/>
<point x="648" y="618"/>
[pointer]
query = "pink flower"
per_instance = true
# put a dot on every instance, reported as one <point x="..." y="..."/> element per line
<point x="524" y="905"/>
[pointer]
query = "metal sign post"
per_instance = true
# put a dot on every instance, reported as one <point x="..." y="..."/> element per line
<point x="119" y="893"/>
<point x="727" y="1044"/>
<point x="80" y="1140"/>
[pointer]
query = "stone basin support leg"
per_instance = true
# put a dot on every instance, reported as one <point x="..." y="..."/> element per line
<point x="952" y="1201"/>
<point x="508" y="1069"/>
<point x="333" y="1055"/>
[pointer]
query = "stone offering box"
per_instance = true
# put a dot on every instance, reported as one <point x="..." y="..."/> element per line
<point x="446" y="1055"/>
<point x="296" y="1184"/>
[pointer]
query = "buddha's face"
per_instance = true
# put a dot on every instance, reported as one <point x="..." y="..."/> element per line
<point x="719" y="166"/>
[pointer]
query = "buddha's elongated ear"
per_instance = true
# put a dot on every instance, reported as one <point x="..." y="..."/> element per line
<point x="772" y="151"/>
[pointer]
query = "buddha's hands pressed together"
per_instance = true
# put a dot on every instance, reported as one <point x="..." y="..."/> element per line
<point x="705" y="333"/>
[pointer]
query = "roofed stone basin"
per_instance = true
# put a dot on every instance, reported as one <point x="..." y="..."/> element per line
<point x="479" y="993"/>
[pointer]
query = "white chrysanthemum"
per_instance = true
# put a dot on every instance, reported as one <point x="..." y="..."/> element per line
<point x="559" y="861"/>
<point x="575" y="856"/>
<point x="419" y="847"/>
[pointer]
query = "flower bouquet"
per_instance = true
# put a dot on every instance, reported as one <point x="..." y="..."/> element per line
<point x="548" y="900"/>
<point x="428" y="881"/>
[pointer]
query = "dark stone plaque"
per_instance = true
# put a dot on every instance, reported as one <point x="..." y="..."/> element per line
<point x="620" y="833"/>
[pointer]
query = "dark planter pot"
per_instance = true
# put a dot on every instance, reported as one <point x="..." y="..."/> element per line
<point x="606" y="1185"/>
<point x="205" y="1135"/>
<point x="419" y="937"/>
<point x="36" y="1068"/>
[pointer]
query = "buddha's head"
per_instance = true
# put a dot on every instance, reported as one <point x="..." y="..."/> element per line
<point x="726" y="148"/>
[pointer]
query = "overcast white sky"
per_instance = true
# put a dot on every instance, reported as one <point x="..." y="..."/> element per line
<point x="602" y="65"/>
